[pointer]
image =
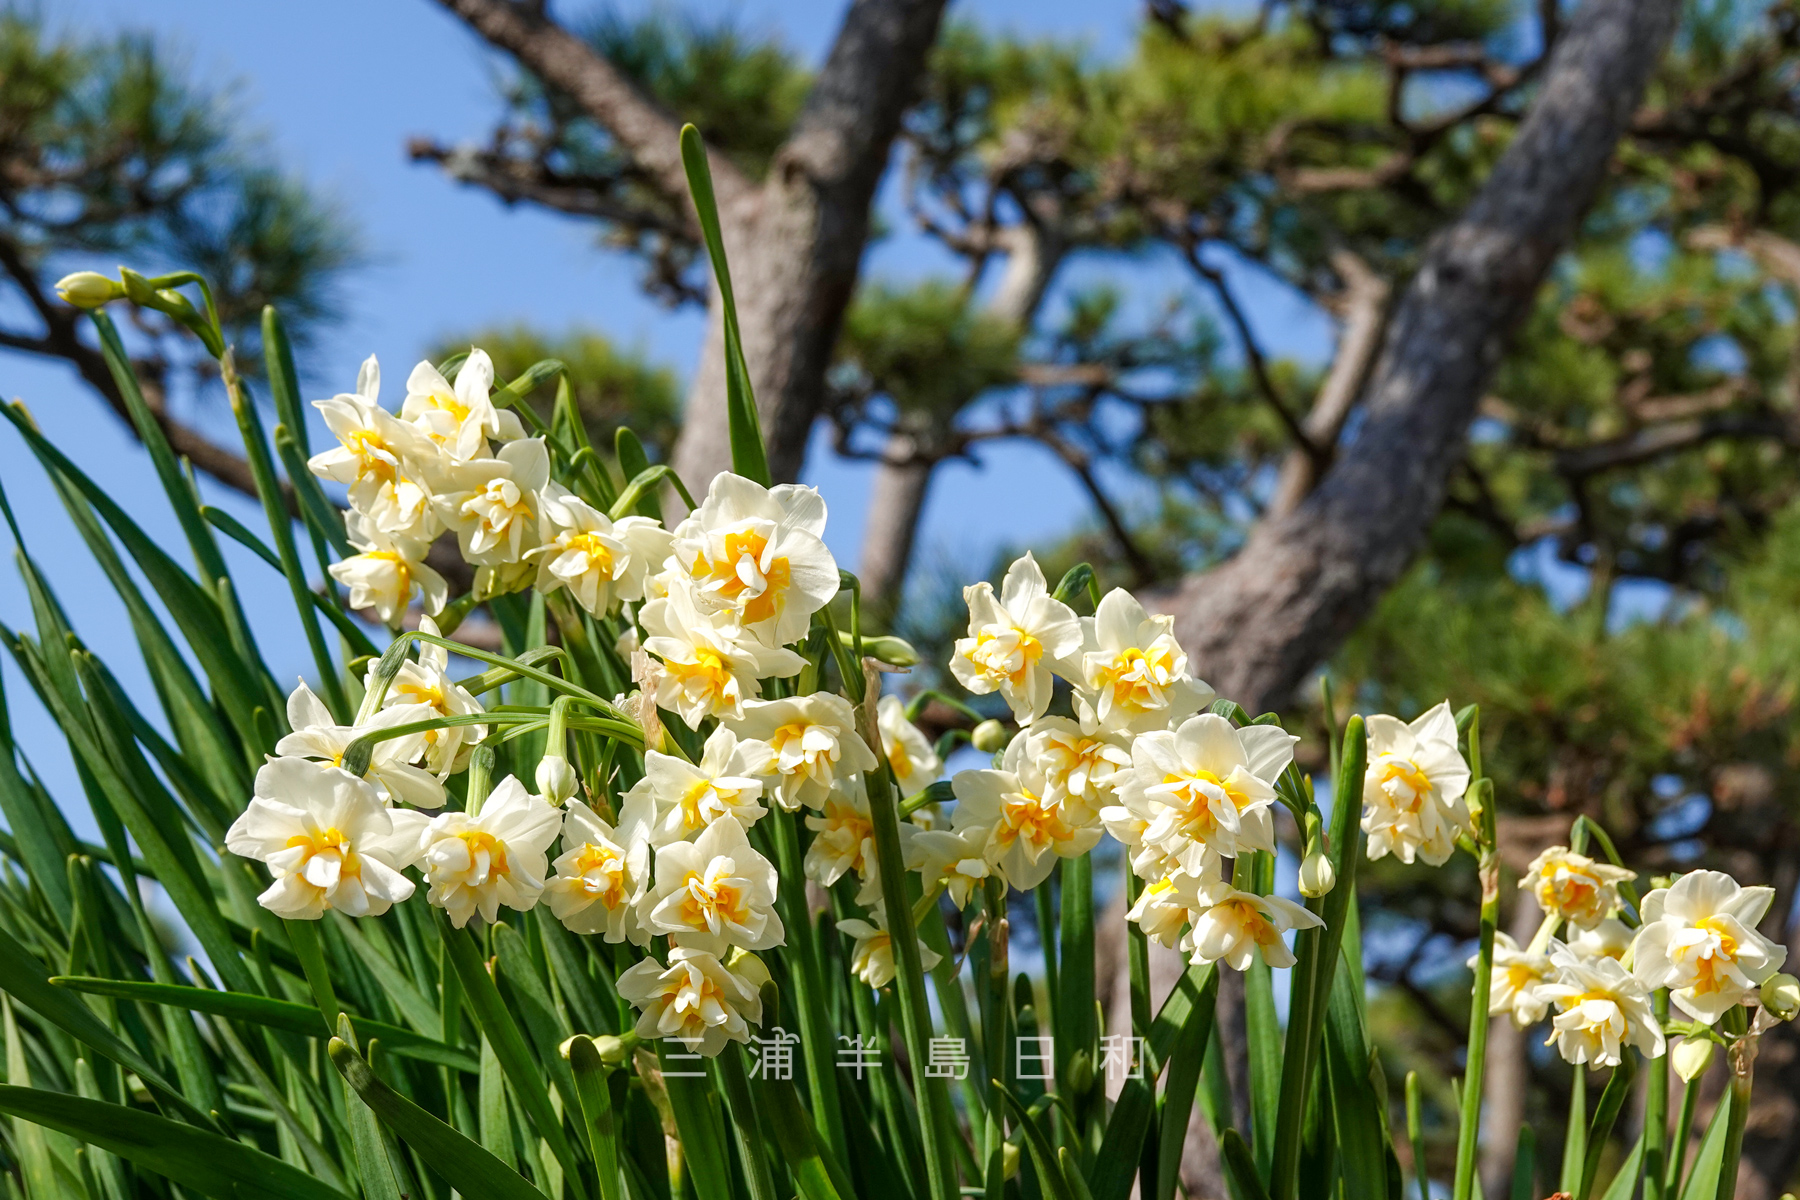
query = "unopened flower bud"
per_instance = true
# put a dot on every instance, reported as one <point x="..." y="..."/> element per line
<point x="989" y="737"/>
<point x="89" y="289"/>
<point x="1317" y="875"/>
<point x="1081" y="1072"/>
<point x="1781" y="997"/>
<point x="1009" y="1160"/>
<point x="556" y="779"/>
<point x="1691" y="1056"/>
<point x="611" y="1048"/>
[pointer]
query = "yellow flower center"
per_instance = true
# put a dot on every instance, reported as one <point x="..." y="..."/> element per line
<point x="602" y="873"/>
<point x="1405" y="772"/>
<point x="1198" y="821"/>
<point x="399" y="564"/>
<point x="332" y="841"/>
<point x="479" y="841"/>
<point x="708" y="895"/>
<point x="1137" y="677"/>
<point x="1023" y="815"/>
<point x="708" y="671"/>
<point x="1005" y="652"/>
<point x="599" y="557"/>
<point x="1709" y="964"/>
<point x="1251" y="919"/>
<point x="740" y="570"/>
<point x="374" y="456"/>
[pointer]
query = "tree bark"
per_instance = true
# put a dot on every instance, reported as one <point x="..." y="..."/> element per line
<point x="1259" y="622"/>
<point x="796" y="243"/>
<point x="896" y="499"/>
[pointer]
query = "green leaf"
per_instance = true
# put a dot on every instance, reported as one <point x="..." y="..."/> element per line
<point x="203" y="1162"/>
<point x="630" y="500"/>
<point x="25" y="979"/>
<point x="702" y="1137"/>
<point x="1524" y="1179"/>
<point x="462" y="1164"/>
<point x="1612" y="1100"/>
<point x="1625" y="1182"/>
<point x="1042" y="1156"/>
<point x="497" y="1023"/>
<point x="634" y="462"/>
<point x="1709" y="1162"/>
<point x="273" y="1014"/>
<point x="1186" y="1018"/>
<point x="597" y="1113"/>
<point x="1240" y="1169"/>
<point x="749" y="457"/>
<point x="1362" y="1150"/>
<point x="1575" y="1138"/>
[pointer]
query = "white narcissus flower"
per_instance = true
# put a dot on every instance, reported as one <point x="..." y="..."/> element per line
<point x="427" y="682"/>
<point x="1575" y="887"/>
<point x="317" y="735"/>
<point x="1230" y="926"/>
<point x="846" y="836"/>
<point x="709" y="668"/>
<point x="872" y="957"/>
<point x="910" y="754"/>
<point x="758" y="553"/>
<point x="379" y="457"/>
<point x="1128" y="828"/>
<point x="388" y="572"/>
<point x="602" y="873"/>
<point x="600" y="561"/>
<point x="1161" y="910"/>
<point x="475" y="864"/>
<point x="492" y="504"/>
<point x="688" y="797"/>
<point x="1205" y="789"/>
<point x="696" y="999"/>
<point x="1600" y="1009"/>
<point x="1026" y="829"/>
<point x="815" y="743"/>
<point x="1610" y="938"/>
<point x="1699" y="939"/>
<point x="1515" y="987"/>
<point x="1131" y="673"/>
<point x="953" y="858"/>
<point x="459" y="419"/>
<point x="1014" y="639"/>
<point x="1413" y="789"/>
<point x="716" y="886"/>
<point x="327" y="839"/>
<point x="1083" y="770"/>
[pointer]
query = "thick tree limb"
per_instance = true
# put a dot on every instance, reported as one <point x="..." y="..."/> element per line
<point x="1259" y="622"/>
<point x="795" y="251"/>
<point x="649" y="134"/>
<point x="1363" y="310"/>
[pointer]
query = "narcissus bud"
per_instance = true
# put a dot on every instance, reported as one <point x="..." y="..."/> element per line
<point x="1317" y="875"/>
<point x="1691" y="1056"/>
<point x="89" y="289"/>
<point x="556" y="779"/>
<point x="989" y="737"/>
<point x="1781" y="997"/>
<point x="1009" y="1160"/>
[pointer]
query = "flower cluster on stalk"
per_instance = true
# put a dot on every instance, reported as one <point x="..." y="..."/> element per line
<point x="664" y="851"/>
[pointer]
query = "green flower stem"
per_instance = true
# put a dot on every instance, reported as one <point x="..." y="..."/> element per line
<point x="909" y="984"/>
<point x="1741" y="1056"/>
<point x="1469" y="1129"/>
<point x="746" y="1131"/>
<point x="1684" y="1131"/>
<point x="808" y="986"/>
<point x="995" y="1022"/>
<point x="1656" y="1110"/>
<point x="1316" y="954"/>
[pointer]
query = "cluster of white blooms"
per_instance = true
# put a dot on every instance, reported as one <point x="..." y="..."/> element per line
<point x="1696" y="937"/>
<point x="716" y="605"/>
<point x="1183" y="789"/>
<point x="454" y="461"/>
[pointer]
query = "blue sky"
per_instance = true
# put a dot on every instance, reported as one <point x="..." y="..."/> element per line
<point x="335" y="88"/>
